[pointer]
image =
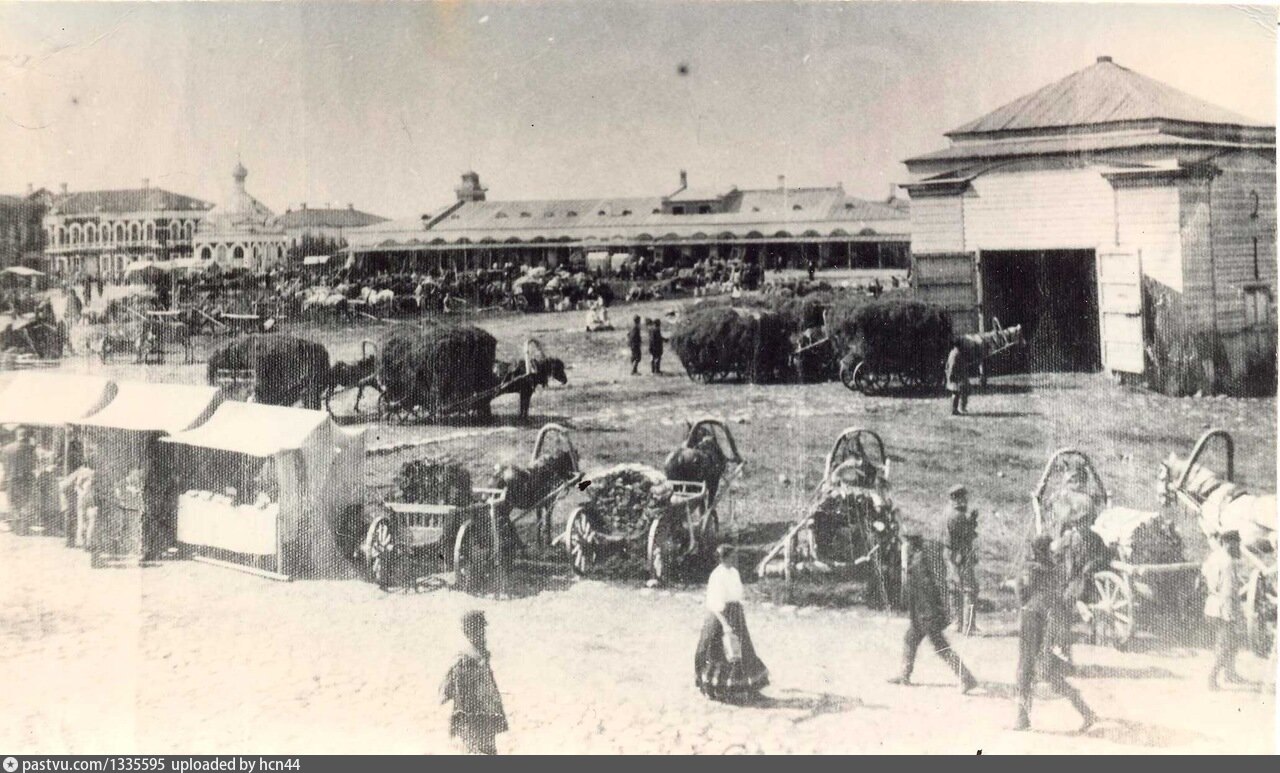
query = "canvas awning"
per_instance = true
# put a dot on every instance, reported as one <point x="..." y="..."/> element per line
<point x="23" y="271"/>
<point x="254" y="429"/>
<point x="52" y="399"/>
<point x="315" y="260"/>
<point x="151" y="407"/>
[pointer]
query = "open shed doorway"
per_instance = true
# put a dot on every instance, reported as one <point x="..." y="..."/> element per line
<point x="1053" y="294"/>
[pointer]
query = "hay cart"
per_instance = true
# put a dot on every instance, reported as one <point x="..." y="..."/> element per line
<point x="678" y="524"/>
<point x="850" y="525"/>
<point x="399" y="409"/>
<point x="1147" y="583"/>
<point x="872" y="368"/>
<point x="1218" y="503"/>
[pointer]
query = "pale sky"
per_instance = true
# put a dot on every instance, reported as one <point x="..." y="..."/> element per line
<point x="386" y="105"/>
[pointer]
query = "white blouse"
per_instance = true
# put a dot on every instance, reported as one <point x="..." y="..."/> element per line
<point x="724" y="586"/>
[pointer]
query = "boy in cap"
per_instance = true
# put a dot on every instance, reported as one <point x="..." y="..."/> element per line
<point x="1222" y="606"/>
<point x="1039" y="599"/>
<point x="928" y="617"/>
<point x="477" y="715"/>
<point x="962" y="555"/>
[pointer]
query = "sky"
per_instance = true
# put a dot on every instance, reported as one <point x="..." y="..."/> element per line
<point x="385" y="105"/>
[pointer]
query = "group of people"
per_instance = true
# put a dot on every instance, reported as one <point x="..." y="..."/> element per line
<point x="636" y="337"/>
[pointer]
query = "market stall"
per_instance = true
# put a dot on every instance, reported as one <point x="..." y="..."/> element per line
<point x="45" y="403"/>
<point x="266" y="489"/>
<point x="133" y="474"/>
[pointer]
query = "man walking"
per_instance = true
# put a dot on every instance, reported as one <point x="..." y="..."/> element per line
<point x="962" y="556"/>
<point x="958" y="380"/>
<point x="1222" y="606"/>
<point x="635" y="339"/>
<point x="1039" y="594"/>
<point x="655" y="347"/>
<point x="928" y="617"/>
<point x="478" y="715"/>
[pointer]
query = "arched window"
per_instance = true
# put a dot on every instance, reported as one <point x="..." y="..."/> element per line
<point x="238" y="253"/>
<point x="133" y="232"/>
<point x="119" y="232"/>
<point x="75" y="234"/>
<point x="151" y="232"/>
<point x="222" y="252"/>
<point x="62" y="235"/>
<point x="206" y="253"/>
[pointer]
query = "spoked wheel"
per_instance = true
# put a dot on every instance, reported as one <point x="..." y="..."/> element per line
<point x="847" y="372"/>
<point x="1260" y="614"/>
<point x="661" y="553"/>
<point x="377" y="564"/>
<point x="473" y="559"/>
<point x="581" y="542"/>
<point x="868" y="381"/>
<point x="1113" y="612"/>
<point x="389" y="410"/>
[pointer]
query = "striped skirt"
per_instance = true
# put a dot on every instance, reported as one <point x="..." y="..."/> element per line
<point x="716" y="676"/>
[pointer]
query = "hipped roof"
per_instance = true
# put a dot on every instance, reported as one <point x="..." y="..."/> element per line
<point x="52" y="399"/>
<point x="1102" y="93"/>
<point x="254" y="429"/>
<point x="149" y="407"/>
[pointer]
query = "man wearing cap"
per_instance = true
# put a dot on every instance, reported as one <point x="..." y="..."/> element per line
<point x="478" y="715"/>
<point x="957" y="376"/>
<point x="1039" y="599"/>
<point x="962" y="556"/>
<point x="635" y="340"/>
<point x="928" y="617"/>
<point x="1222" y="606"/>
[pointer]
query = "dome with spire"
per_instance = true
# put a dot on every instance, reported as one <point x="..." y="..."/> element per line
<point x="241" y="212"/>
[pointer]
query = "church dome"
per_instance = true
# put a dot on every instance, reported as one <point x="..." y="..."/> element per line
<point x="241" y="212"/>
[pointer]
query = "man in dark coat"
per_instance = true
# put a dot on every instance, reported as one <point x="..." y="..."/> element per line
<point x="928" y="617"/>
<point x="962" y="556"/>
<point x="478" y="715"/>
<point x="655" y="347"/>
<point x="19" y="476"/>
<point x="635" y="339"/>
<point x="1039" y="599"/>
<point x="958" y="367"/>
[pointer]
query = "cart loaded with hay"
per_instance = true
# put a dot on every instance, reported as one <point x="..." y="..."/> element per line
<point x="434" y="526"/>
<point x="890" y="341"/>
<point x="451" y="370"/>
<point x="851" y="526"/>
<point x="670" y="518"/>
<point x="1145" y="582"/>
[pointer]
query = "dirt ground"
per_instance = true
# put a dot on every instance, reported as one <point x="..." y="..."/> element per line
<point x="189" y="658"/>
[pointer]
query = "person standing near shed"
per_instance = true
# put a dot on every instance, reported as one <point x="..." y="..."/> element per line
<point x="1040" y="598"/>
<point x="928" y="617"/>
<point x="635" y="339"/>
<point x="1222" y="607"/>
<point x="957" y="375"/>
<point x="962" y="557"/>
<point x="478" y="715"/>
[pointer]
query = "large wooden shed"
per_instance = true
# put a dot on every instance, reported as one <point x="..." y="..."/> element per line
<point x="1127" y="225"/>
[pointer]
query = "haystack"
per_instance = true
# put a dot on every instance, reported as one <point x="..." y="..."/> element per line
<point x="437" y="367"/>
<point x="722" y="342"/>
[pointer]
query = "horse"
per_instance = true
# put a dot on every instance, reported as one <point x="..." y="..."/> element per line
<point x="156" y="333"/>
<point x="980" y="346"/>
<point x="1221" y="505"/>
<point x="515" y="378"/>
<point x="360" y="374"/>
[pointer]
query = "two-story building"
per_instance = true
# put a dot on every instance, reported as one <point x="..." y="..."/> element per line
<point x="101" y="232"/>
<point x="22" y="228"/>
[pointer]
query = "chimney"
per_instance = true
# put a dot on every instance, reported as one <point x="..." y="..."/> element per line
<point x="30" y="189"/>
<point x="684" y="179"/>
<point x="304" y="205"/>
<point x="1102" y="59"/>
<point x="146" y="183"/>
<point x="64" y="189"/>
<point x="351" y="206"/>
<point x="782" y="182"/>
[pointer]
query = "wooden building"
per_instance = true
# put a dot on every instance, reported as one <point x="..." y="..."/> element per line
<point x="785" y="224"/>
<point x="1129" y="226"/>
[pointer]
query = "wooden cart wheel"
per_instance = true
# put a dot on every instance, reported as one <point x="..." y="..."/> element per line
<point x="661" y="551"/>
<point x="868" y="381"/>
<point x="378" y="558"/>
<point x="1260" y="614"/>
<point x="1113" y="612"/>
<point x="472" y="559"/>
<point x="580" y="539"/>
<point x="847" y="375"/>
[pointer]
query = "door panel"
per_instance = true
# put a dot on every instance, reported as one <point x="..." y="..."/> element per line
<point x="1120" y="309"/>
<point x="948" y="280"/>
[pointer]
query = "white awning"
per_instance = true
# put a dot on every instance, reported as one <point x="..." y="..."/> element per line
<point x="52" y="399"/>
<point x="23" y="271"/>
<point x="254" y="429"/>
<point x="315" y="260"/>
<point x="154" y="407"/>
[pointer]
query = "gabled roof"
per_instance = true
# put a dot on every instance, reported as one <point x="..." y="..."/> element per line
<point x="135" y="200"/>
<point x="327" y="218"/>
<point x="1102" y="93"/>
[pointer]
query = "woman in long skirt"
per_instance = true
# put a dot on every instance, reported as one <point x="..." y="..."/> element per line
<point x="726" y="665"/>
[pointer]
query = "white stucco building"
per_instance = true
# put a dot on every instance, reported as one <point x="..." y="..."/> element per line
<point x="242" y="232"/>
